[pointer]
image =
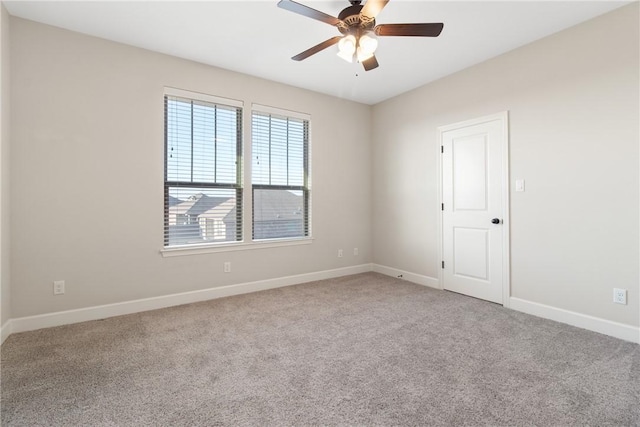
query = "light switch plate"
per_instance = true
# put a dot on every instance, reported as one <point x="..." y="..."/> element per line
<point x="519" y="185"/>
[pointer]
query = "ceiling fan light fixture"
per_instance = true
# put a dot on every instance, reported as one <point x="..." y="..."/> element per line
<point x="368" y="44"/>
<point x="347" y="47"/>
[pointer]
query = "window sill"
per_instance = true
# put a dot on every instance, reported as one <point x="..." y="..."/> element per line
<point x="228" y="247"/>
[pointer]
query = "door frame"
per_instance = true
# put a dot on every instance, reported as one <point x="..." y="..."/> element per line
<point x="506" y="206"/>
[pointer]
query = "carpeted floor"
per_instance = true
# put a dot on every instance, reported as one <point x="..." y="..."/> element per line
<point x="358" y="350"/>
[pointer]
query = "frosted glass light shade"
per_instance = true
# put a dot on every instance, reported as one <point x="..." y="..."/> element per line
<point x="363" y="55"/>
<point x="347" y="44"/>
<point x="368" y="44"/>
<point x="346" y="56"/>
<point x="347" y="47"/>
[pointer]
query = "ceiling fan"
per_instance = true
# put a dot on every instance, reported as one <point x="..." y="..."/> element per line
<point x="357" y="24"/>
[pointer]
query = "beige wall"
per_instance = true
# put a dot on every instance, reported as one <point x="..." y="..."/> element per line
<point x="86" y="170"/>
<point x="5" y="119"/>
<point x="574" y="123"/>
<point x="87" y="174"/>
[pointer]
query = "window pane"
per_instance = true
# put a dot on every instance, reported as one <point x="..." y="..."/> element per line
<point x="196" y="215"/>
<point x="226" y="145"/>
<point x="279" y="153"/>
<point x="278" y="150"/>
<point x="178" y="140"/>
<point x="260" y="171"/>
<point x="296" y="153"/>
<point x="202" y="142"/>
<point x="278" y="214"/>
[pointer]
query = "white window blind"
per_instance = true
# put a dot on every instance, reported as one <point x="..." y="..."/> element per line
<point x="279" y="176"/>
<point x="202" y="185"/>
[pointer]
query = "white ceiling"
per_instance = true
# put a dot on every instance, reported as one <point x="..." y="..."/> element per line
<point x="258" y="38"/>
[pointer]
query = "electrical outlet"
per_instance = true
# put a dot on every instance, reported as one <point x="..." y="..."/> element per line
<point x="620" y="296"/>
<point x="339" y="253"/>
<point x="227" y="266"/>
<point x="355" y="251"/>
<point x="58" y="287"/>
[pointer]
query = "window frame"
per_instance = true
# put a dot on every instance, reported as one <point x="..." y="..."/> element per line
<point x="237" y="187"/>
<point x="305" y="188"/>
<point x="244" y="181"/>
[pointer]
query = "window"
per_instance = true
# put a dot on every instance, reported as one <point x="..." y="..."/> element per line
<point x="202" y="174"/>
<point x="279" y="175"/>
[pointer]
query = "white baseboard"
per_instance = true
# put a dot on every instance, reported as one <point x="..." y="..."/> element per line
<point x="6" y="330"/>
<point x="23" y="324"/>
<point x="30" y="323"/>
<point x="596" y="324"/>
<point x="406" y="275"/>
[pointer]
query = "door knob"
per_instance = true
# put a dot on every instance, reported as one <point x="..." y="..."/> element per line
<point x="495" y="221"/>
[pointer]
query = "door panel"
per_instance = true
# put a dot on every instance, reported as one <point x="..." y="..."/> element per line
<point x="471" y="253"/>
<point x="469" y="173"/>
<point x="472" y="191"/>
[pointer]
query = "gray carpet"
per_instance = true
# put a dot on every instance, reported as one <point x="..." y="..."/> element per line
<point x="358" y="350"/>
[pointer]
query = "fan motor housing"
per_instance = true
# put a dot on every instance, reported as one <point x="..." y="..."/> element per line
<point x="353" y="22"/>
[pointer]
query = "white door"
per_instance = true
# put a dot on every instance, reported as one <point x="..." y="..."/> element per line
<point x="474" y="184"/>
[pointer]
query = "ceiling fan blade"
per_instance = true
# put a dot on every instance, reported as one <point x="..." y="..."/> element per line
<point x="317" y="48"/>
<point x="372" y="8"/>
<point x="303" y="10"/>
<point x="370" y="64"/>
<point x="416" y="30"/>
